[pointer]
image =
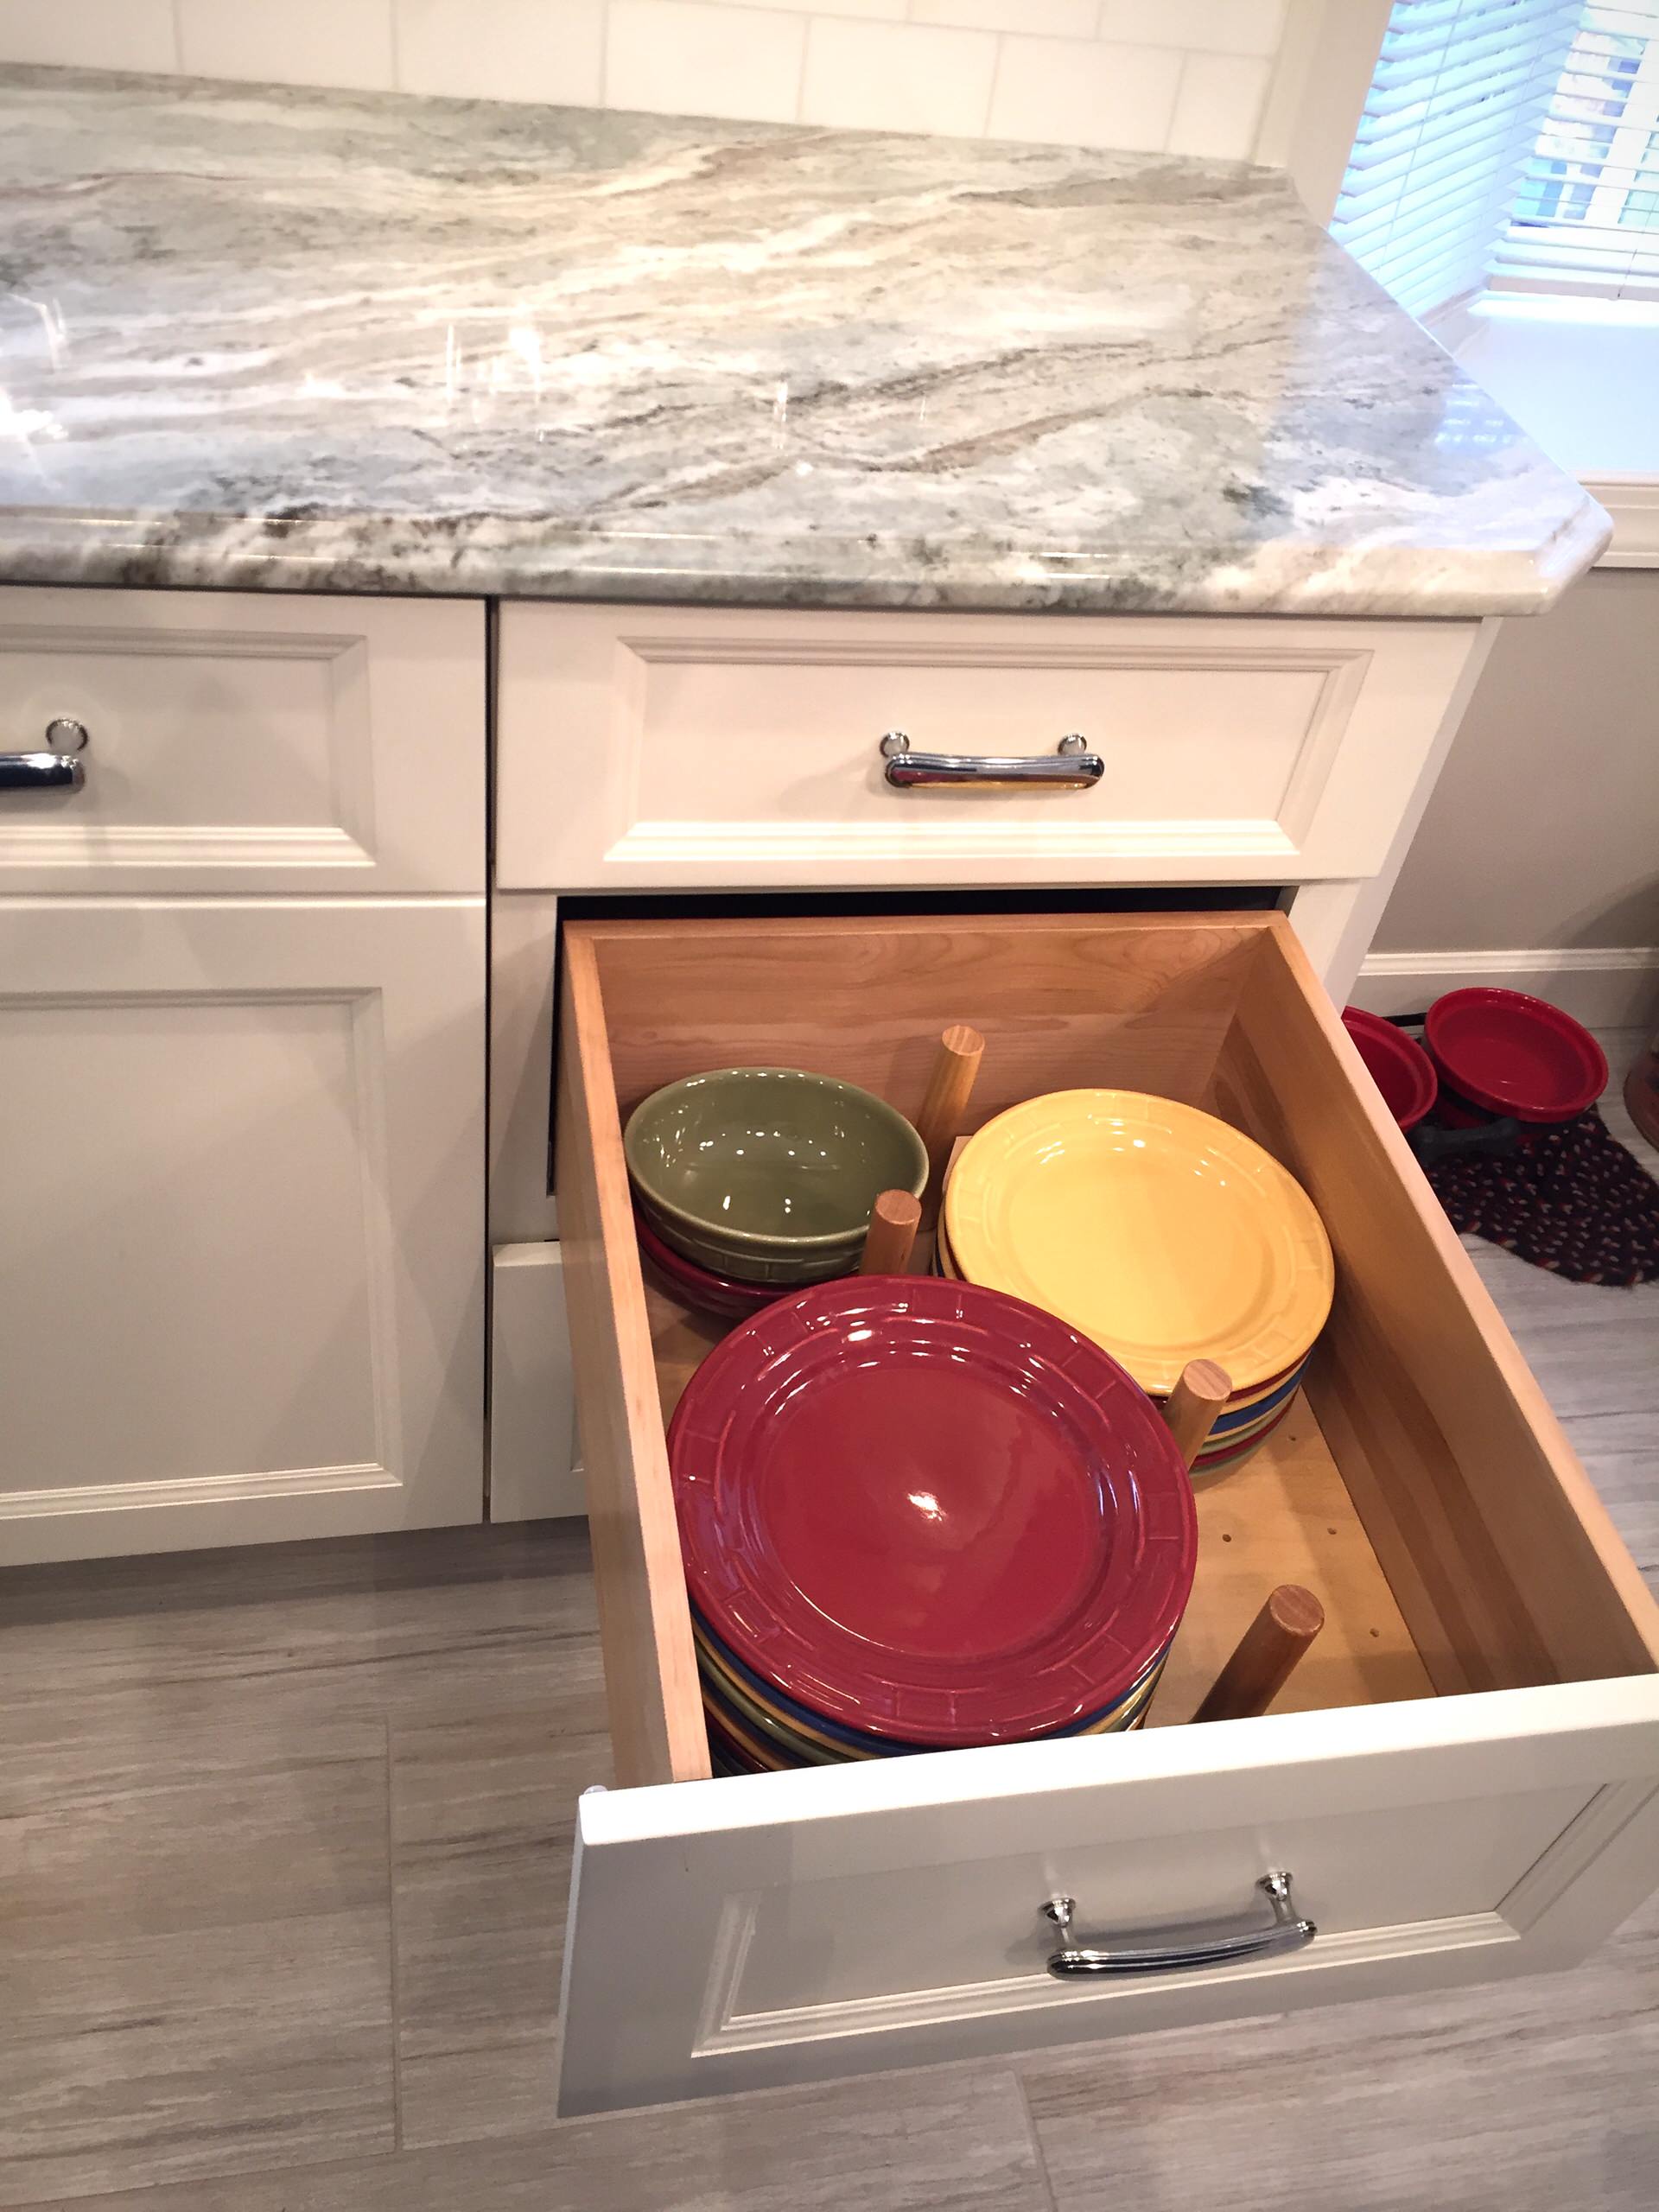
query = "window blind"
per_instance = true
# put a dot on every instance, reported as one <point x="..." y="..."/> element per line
<point x="1585" y="216"/>
<point x="1461" y="91"/>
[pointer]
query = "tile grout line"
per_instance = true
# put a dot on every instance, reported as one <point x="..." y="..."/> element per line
<point x="1051" y="2201"/>
<point x="392" y="1953"/>
<point x="800" y="74"/>
<point x="995" y="77"/>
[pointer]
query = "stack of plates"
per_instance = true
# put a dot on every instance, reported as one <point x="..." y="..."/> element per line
<point x="1161" y="1233"/>
<point x="918" y="1514"/>
<point x="750" y="1181"/>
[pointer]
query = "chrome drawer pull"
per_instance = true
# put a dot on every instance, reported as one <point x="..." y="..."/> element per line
<point x="1220" y="1947"/>
<point x="1071" y="767"/>
<point x="59" y="768"/>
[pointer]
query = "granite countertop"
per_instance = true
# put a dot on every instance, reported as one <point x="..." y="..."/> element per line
<point x="266" y="339"/>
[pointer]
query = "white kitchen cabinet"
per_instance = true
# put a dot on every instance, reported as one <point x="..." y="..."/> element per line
<point x="242" y="1177"/>
<point x="1463" y="1780"/>
<point x="242" y="1031"/>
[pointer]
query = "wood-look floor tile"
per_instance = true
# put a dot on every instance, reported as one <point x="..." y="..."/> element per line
<point x="1521" y="2096"/>
<point x="172" y="1822"/>
<point x="1620" y="1453"/>
<point x="488" y="2089"/>
<point x="952" y="2140"/>
<point x="194" y="1941"/>
<point x="163" y="2058"/>
<point x="483" y="1822"/>
<point x="1587" y="1371"/>
<point x="371" y="1625"/>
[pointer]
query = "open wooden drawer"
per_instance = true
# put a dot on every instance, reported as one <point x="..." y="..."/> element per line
<point x="1467" y="1784"/>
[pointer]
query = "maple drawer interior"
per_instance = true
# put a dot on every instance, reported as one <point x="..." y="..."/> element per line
<point x="1420" y="1486"/>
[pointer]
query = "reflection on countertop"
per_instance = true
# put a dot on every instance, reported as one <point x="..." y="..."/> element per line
<point x="263" y="338"/>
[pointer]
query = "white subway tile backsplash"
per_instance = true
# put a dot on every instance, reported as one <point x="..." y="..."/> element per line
<point x="1209" y="26"/>
<point x="90" y="34"/>
<point x="551" y="50"/>
<point x="1047" y="18"/>
<point x="1218" y="105"/>
<point x="897" y="77"/>
<point x="694" y="57"/>
<point x="1065" y="92"/>
<point x="1182" y="76"/>
<point x="893" y="11"/>
<point x="344" y="43"/>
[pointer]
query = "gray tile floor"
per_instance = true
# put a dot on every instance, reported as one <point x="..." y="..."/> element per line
<point x="283" y="1836"/>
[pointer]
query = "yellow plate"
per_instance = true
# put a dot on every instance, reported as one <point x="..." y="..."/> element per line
<point x="1239" y="1402"/>
<point x="1160" y="1232"/>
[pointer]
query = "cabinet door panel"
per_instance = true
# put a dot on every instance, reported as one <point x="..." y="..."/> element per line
<point x="241" y="1153"/>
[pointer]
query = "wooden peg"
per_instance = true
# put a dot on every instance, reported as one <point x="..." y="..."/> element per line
<point x="945" y="1106"/>
<point x="1267" y="1651"/>
<point x="1194" y="1406"/>
<point x="894" y="1219"/>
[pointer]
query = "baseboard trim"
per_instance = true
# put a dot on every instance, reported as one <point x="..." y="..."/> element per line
<point x="198" y="1489"/>
<point x="1613" y="987"/>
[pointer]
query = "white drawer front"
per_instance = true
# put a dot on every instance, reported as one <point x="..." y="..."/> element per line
<point x="649" y="747"/>
<point x="739" y="1933"/>
<point x="246" y="744"/>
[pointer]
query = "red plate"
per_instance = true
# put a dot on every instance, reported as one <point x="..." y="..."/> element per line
<point x="926" y="1510"/>
<point x="701" y="1287"/>
<point x="1514" y="1054"/>
<point x="1399" y="1066"/>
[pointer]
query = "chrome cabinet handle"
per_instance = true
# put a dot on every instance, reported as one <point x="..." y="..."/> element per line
<point x="1220" y="1946"/>
<point x="1071" y="767"/>
<point x="58" y="768"/>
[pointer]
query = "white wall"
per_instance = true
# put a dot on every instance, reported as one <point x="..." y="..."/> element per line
<point x="1543" y="831"/>
<point x="1182" y="76"/>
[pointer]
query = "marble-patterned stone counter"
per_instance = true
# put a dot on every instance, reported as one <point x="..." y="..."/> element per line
<point x="258" y="338"/>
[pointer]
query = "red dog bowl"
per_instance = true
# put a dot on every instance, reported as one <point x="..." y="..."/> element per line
<point x="1400" y="1068"/>
<point x="1514" y="1054"/>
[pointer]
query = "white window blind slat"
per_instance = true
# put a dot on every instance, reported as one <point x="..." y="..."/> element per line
<point x="1428" y="124"/>
<point x="1585" y="216"/>
<point x="1517" y="69"/>
<point x="1461" y="90"/>
<point x="1404" y="223"/>
<point x="1362" y="191"/>
<point x="1397" y="85"/>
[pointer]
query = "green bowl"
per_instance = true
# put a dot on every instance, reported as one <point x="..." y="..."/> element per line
<point x="768" y="1166"/>
<point x="781" y="1269"/>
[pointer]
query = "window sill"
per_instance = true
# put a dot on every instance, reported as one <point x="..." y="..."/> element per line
<point x="1580" y="376"/>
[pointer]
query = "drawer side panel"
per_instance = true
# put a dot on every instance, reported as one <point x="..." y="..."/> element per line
<point x="644" y="1622"/>
<point x="1496" y="1545"/>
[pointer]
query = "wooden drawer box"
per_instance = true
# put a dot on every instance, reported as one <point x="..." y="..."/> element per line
<point x="1466" y="1782"/>
<point x="643" y="748"/>
<point x="246" y="744"/>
